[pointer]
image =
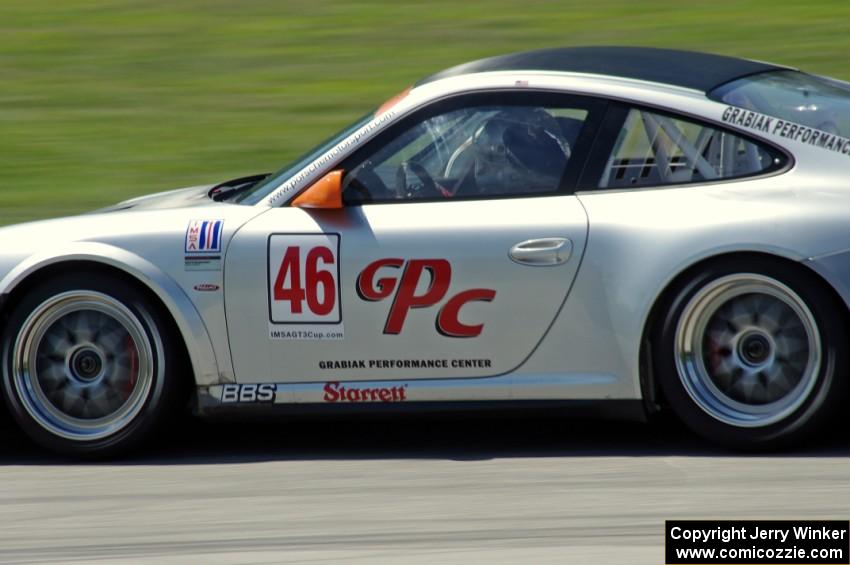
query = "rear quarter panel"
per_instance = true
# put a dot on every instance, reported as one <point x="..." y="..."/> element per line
<point x="640" y="240"/>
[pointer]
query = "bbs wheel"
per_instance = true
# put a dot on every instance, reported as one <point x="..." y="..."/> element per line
<point x="88" y="365"/>
<point x="750" y="353"/>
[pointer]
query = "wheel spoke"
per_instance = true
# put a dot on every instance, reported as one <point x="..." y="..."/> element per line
<point x="72" y="402"/>
<point x="720" y="335"/>
<point x="99" y="404"/>
<point x="51" y="376"/>
<point x="726" y="376"/>
<point x="119" y="379"/>
<point x="110" y="338"/>
<point x="747" y="384"/>
<point x="789" y="346"/>
<point x="57" y="343"/>
<point x="741" y="314"/>
<point x="770" y="318"/>
<point x="83" y="326"/>
<point x="727" y="367"/>
<point x="778" y="383"/>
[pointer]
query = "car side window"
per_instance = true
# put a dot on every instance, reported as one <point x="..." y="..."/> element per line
<point x="480" y="151"/>
<point x="655" y="149"/>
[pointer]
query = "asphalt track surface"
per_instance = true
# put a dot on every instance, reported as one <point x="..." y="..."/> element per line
<point x="447" y="491"/>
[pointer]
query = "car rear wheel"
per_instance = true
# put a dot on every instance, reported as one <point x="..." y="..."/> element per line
<point x="750" y="353"/>
<point x="89" y="365"/>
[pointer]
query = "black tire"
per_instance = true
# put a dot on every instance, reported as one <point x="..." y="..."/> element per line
<point x="91" y="366"/>
<point x="737" y="361"/>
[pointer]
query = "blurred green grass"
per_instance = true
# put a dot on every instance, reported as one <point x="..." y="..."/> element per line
<point x="103" y="100"/>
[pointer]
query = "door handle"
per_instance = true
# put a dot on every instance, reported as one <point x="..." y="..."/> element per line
<point x="542" y="252"/>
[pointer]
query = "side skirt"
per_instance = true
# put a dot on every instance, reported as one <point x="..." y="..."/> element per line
<point x="265" y="400"/>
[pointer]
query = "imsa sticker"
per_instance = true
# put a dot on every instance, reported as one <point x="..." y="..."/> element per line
<point x="203" y="236"/>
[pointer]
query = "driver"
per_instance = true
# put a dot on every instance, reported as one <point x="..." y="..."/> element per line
<point x="519" y="150"/>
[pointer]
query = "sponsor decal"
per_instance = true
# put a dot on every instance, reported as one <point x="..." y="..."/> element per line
<point x="304" y="279"/>
<point x="307" y="332"/>
<point x="248" y="393"/>
<point x="335" y="392"/>
<point x="405" y="364"/>
<point x="203" y="263"/>
<point x="400" y="279"/>
<point x="303" y="286"/>
<point x="747" y="119"/>
<point x="203" y="236"/>
<point x="789" y="130"/>
<point x="206" y="287"/>
<point x="322" y="162"/>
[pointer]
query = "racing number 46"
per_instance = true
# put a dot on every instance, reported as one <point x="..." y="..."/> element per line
<point x="319" y="288"/>
<point x="303" y="278"/>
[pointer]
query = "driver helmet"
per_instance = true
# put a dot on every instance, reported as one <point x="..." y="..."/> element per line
<point x="519" y="150"/>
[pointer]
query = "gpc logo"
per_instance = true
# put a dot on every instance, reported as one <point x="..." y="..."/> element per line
<point x="440" y="276"/>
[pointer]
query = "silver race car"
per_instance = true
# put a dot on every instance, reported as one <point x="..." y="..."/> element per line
<point x="624" y="229"/>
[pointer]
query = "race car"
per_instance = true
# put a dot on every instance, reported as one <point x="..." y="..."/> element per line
<point x="629" y="230"/>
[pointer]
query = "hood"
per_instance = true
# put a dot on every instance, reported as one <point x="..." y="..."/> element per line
<point x="180" y="198"/>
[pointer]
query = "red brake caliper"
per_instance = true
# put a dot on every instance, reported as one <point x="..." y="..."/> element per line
<point x="715" y="354"/>
<point x="133" y="353"/>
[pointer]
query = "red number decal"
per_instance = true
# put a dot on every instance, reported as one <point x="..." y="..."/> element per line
<point x="316" y="278"/>
<point x="320" y="304"/>
<point x="295" y="293"/>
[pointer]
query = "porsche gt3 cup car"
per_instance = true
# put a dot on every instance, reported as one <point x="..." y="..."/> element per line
<point x="633" y="229"/>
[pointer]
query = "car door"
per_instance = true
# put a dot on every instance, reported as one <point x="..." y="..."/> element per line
<point x="455" y="250"/>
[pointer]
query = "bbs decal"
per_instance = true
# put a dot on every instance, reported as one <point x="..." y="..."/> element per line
<point x="246" y="393"/>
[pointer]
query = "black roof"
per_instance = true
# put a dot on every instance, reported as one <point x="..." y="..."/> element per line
<point x="689" y="69"/>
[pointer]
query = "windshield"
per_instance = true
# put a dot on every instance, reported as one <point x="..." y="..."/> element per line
<point x="792" y="96"/>
<point x="264" y="188"/>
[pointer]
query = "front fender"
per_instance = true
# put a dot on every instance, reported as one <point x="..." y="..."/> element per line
<point x="188" y="320"/>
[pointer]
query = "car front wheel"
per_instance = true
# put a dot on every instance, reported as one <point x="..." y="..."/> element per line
<point x="88" y="365"/>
